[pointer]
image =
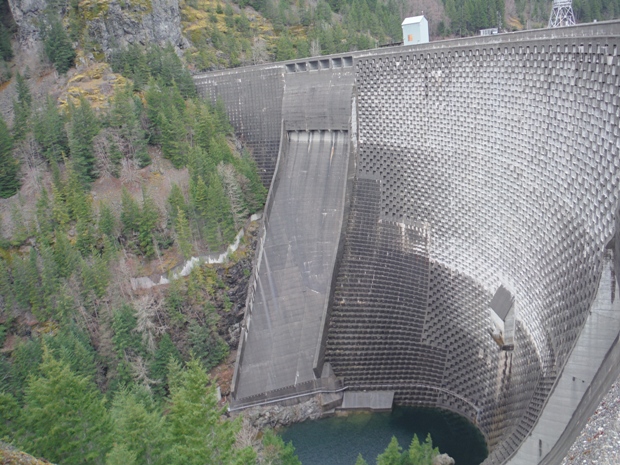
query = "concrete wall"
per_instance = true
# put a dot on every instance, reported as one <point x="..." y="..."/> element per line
<point x="290" y="291"/>
<point x="478" y="162"/>
<point x="253" y="98"/>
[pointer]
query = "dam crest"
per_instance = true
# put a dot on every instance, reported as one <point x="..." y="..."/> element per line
<point x="412" y="190"/>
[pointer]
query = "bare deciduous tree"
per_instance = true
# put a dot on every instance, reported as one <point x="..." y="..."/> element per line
<point x="149" y="323"/>
<point x="140" y="372"/>
<point x="315" y="48"/>
<point x="247" y="434"/>
<point x="32" y="164"/>
<point x="234" y="193"/>
<point x="259" y="51"/>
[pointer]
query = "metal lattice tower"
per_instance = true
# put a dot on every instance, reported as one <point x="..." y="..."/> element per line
<point x="562" y="14"/>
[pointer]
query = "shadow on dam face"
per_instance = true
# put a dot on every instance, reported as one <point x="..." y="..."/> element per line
<point x="471" y="165"/>
<point x="403" y="323"/>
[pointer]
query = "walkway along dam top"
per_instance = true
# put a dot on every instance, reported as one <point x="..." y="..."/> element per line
<point x="408" y="185"/>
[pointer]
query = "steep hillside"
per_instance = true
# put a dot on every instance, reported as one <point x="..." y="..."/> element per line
<point x="467" y="17"/>
<point x="113" y="170"/>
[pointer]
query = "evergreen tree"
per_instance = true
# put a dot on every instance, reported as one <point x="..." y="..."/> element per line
<point x="6" y="51"/>
<point x="167" y="68"/>
<point x="123" y="324"/>
<point x="22" y="108"/>
<point x="130" y="213"/>
<point x="205" y="128"/>
<point x="139" y="426"/>
<point x="183" y="234"/>
<point x="21" y="230"/>
<point x="60" y="212"/>
<point x="77" y="200"/>
<point x="9" y="166"/>
<point x="65" y="307"/>
<point x="200" y="162"/>
<point x="125" y="118"/>
<point x="9" y="416"/>
<point x="7" y="294"/>
<point x="71" y="345"/>
<point x="33" y="284"/>
<point x="107" y="221"/>
<point x="360" y="460"/>
<point x="208" y="346"/>
<point x="57" y="45"/>
<point x="50" y="281"/>
<point x="391" y="456"/>
<point x="176" y="202"/>
<point x="159" y="368"/>
<point x="64" y="416"/>
<point x="173" y="134"/>
<point x="220" y="227"/>
<point x="199" y="201"/>
<point x="232" y="188"/>
<point x="254" y="191"/>
<point x="116" y="159"/>
<point x="65" y="255"/>
<point x="49" y="131"/>
<point x="415" y="453"/>
<point x="21" y="284"/>
<point x="25" y="361"/>
<point x="276" y="452"/>
<point x="284" y="48"/>
<point x="85" y="238"/>
<point x="5" y="71"/>
<point x="83" y="128"/>
<point x="44" y="218"/>
<point x="149" y="216"/>
<point x="221" y="117"/>
<point x="95" y="275"/>
<point x="121" y="455"/>
<point x="154" y="97"/>
<point x="197" y="433"/>
<point x="220" y="150"/>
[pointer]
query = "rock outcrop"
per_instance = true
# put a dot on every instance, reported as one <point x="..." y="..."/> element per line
<point x="27" y="15"/>
<point x="274" y="416"/>
<point x="109" y="23"/>
<point x="139" y="22"/>
<point x="11" y="456"/>
<point x="443" y="459"/>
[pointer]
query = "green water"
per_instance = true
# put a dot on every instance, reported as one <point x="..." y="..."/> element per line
<point x="338" y="440"/>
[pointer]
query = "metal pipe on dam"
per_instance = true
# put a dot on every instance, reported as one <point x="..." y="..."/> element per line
<point x="412" y="190"/>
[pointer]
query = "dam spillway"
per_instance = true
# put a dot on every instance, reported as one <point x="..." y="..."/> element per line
<point x="453" y="168"/>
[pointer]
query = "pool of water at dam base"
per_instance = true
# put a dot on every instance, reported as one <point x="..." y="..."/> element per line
<point x="338" y="440"/>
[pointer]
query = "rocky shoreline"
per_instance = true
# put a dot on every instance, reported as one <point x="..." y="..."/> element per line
<point x="599" y="441"/>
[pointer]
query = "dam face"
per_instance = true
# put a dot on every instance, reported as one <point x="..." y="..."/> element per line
<point x="408" y="185"/>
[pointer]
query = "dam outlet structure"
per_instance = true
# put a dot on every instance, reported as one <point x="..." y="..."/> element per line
<point x="440" y="231"/>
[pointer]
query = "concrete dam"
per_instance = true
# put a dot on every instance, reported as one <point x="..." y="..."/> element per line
<point x="439" y="231"/>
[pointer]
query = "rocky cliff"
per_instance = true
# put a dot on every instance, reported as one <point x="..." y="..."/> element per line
<point x="139" y="22"/>
<point x="107" y="23"/>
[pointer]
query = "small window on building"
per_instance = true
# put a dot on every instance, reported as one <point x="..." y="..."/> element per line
<point x="410" y="38"/>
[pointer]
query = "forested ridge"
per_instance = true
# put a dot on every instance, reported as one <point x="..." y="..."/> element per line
<point x="91" y="370"/>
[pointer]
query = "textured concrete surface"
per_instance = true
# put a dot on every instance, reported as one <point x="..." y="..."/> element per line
<point x="368" y="400"/>
<point x="477" y="163"/>
<point x="296" y="264"/>
<point x="597" y="336"/>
